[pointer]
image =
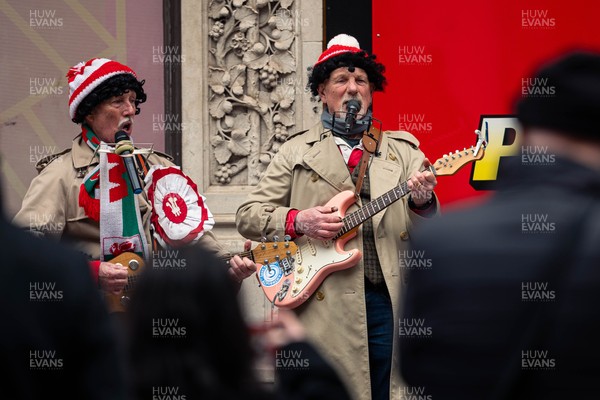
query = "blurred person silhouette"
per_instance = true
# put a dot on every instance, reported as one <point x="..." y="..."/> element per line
<point x="187" y="336"/>
<point x="56" y="339"/>
<point x="510" y="300"/>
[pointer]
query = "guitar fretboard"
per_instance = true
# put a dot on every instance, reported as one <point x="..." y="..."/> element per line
<point x="133" y="279"/>
<point x="356" y="218"/>
<point x="243" y="254"/>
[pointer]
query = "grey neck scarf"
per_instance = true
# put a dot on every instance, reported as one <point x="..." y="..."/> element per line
<point x="339" y="128"/>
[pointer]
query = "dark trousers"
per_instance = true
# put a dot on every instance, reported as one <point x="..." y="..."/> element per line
<point x="380" y="326"/>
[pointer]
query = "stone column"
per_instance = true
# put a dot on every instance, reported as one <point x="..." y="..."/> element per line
<point x="243" y="80"/>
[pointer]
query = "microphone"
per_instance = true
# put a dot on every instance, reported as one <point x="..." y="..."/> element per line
<point x="352" y="108"/>
<point x="126" y="149"/>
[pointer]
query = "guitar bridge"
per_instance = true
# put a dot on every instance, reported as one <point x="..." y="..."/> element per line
<point x="283" y="291"/>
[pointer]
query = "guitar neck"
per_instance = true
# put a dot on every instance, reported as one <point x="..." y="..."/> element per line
<point x="367" y="211"/>
<point x="243" y="254"/>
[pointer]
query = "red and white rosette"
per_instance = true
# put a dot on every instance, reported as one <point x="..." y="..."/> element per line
<point x="179" y="214"/>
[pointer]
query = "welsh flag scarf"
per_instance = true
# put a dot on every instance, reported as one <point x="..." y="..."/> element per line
<point x="106" y="196"/>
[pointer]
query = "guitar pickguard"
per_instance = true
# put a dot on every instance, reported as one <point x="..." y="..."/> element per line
<point x="313" y="261"/>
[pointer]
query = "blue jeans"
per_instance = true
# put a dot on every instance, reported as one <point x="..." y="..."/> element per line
<point x="380" y="320"/>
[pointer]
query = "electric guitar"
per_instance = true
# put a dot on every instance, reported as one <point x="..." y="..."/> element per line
<point x="290" y="282"/>
<point x="271" y="252"/>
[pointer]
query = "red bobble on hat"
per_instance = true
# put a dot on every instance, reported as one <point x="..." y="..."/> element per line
<point x="340" y="44"/>
<point x="85" y="77"/>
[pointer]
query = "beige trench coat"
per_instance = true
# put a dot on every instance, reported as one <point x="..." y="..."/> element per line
<point x="308" y="171"/>
<point x="51" y="204"/>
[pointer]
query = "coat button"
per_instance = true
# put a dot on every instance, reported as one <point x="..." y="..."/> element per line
<point x="404" y="235"/>
<point x="320" y="295"/>
<point x="392" y="156"/>
<point x="314" y="177"/>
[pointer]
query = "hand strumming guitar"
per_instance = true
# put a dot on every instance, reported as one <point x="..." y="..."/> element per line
<point x="320" y="222"/>
<point x="112" y="277"/>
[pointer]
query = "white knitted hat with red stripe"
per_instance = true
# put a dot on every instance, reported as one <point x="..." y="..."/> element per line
<point x="85" y="77"/>
<point x="339" y="44"/>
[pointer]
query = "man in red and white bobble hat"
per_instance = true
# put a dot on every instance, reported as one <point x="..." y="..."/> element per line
<point x="352" y="314"/>
<point x="68" y="200"/>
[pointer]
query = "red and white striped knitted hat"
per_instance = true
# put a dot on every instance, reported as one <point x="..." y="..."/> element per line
<point x="85" y="77"/>
<point x="339" y="44"/>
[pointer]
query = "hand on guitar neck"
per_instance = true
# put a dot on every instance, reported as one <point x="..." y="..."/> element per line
<point x="241" y="268"/>
<point x="421" y="184"/>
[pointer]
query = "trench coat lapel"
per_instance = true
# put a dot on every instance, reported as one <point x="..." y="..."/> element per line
<point x="388" y="175"/>
<point x="325" y="159"/>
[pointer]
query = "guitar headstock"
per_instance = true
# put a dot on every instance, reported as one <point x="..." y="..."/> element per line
<point x="450" y="163"/>
<point x="268" y="252"/>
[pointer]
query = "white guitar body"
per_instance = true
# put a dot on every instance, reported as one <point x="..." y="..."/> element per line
<point x="290" y="281"/>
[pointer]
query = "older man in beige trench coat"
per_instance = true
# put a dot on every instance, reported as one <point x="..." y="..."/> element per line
<point x="105" y="96"/>
<point x="311" y="168"/>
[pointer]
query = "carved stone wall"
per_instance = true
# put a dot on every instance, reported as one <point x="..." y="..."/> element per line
<point x="244" y="93"/>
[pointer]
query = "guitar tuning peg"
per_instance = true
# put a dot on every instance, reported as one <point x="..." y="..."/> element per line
<point x="276" y="238"/>
<point x="287" y="238"/>
<point x="263" y="239"/>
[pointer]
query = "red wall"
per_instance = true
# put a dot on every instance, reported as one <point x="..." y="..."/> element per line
<point x="449" y="63"/>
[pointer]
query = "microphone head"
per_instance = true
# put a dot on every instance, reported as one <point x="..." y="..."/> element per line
<point x="120" y="136"/>
<point x="353" y="106"/>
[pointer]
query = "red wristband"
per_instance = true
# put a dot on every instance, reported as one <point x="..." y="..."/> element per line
<point x="290" y="219"/>
<point x="95" y="269"/>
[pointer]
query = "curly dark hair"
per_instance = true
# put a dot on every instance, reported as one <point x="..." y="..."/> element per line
<point x="113" y="86"/>
<point x="319" y="73"/>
